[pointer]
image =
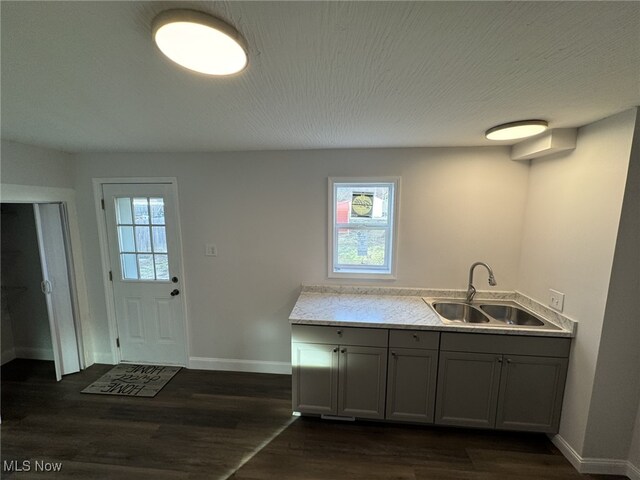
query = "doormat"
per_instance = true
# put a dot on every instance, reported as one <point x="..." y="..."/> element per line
<point x="133" y="380"/>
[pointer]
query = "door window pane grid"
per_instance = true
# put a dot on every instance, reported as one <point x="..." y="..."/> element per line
<point x="142" y="238"/>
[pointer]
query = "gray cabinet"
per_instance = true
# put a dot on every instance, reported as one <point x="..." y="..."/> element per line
<point x="468" y="385"/>
<point x="362" y="375"/>
<point x="508" y="382"/>
<point x="412" y="372"/>
<point x="346" y="377"/>
<point x="483" y="381"/>
<point x="314" y="378"/>
<point x="531" y="390"/>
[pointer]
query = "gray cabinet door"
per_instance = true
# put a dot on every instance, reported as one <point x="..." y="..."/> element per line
<point x="411" y="385"/>
<point x="468" y="386"/>
<point x="531" y="390"/>
<point x="362" y="380"/>
<point x="314" y="378"/>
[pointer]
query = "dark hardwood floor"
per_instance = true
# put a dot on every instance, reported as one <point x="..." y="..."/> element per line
<point x="218" y="425"/>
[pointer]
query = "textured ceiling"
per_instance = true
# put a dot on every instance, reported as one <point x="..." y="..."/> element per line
<point x="85" y="76"/>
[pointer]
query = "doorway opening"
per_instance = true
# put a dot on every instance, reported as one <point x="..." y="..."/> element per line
<point x="38" y="299"/>
<point x="141" y="250"/>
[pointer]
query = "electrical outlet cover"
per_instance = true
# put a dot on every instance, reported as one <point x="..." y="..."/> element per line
<point x="210" y="250"/>
<point x="556" y="300"/>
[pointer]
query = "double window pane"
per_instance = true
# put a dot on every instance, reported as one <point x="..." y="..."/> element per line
<point x="363" y="227"/>
<point x="142" y="238"/>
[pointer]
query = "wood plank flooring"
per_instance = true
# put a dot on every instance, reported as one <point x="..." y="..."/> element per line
<point x="219" y="425"/>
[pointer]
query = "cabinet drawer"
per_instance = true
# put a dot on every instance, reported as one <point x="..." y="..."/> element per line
<point x="414" y="339"/>
<point x="372" y="337"/>
<point x="507" y="344"/>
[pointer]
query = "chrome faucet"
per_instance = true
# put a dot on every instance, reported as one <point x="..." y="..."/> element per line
<point x="471" y="290"/>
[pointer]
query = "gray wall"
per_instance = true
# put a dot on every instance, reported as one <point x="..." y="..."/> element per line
<point x="22" y="164"/>
<point x="571" y="224"/>
<point x="616" y="390"/>
<point x="267" y="214"/>
<point x="6" y="330"/>
<point x="21" y="272"/>
<point x="634" y="449"/>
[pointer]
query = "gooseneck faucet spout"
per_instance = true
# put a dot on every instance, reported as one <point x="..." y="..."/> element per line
<point x="471" y="290"/>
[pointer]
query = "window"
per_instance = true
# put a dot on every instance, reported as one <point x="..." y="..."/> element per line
<point x="362" y="226"/>
<point x="142" y="238"/>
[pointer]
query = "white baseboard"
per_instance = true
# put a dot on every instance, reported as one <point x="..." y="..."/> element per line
<point x="101" y="357"/>
<point x="633" y="471"/>
<point x="598" y="466"/>
<point x="34" y="353"/>
<point x="238" y="365"/>
<point x="8" y="355"/>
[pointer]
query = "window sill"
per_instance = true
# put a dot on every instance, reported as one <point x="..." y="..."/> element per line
<point x="363" y="276"/>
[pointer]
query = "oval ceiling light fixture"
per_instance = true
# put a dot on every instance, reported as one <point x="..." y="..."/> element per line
<point x="200" y="42"/>
<point x="516" y="130"/>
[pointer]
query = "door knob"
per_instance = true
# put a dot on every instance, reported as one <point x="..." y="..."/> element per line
<point x="175" y="292"/>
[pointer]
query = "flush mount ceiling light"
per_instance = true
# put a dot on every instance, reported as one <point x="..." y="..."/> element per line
<point x="516" y="130"/>
<point x="200" y="42"/>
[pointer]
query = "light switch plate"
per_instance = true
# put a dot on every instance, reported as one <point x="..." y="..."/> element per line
<point x="556" y="300"/>
<point x="210" y="250"/>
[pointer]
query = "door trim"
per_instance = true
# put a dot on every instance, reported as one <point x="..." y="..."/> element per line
<point x="106" y="264"/>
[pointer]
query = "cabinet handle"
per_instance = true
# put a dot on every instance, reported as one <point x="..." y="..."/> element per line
<point x="335" y="350"/>
<point x="416" y="338"/>
<point x="344" y="350"/>
<point x="499" y="359"/>
<point x="393" y="354"/>
<point x="339" y="332"/>
<point x="508" y="360"/>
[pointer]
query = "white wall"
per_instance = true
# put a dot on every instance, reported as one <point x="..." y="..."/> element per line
<point x="267" y="214"/>
<point x="571" y="224"/>
<point x="22" y="164"/>
<point x="21" y="269"/>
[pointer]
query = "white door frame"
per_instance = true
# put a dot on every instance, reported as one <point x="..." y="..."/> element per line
<point x="12" y="193"/>
<point x="106" y="263"/>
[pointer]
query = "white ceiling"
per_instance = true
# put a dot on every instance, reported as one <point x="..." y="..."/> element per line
<point x="85" y="76"/>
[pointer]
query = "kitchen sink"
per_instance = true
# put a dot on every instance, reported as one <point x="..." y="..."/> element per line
<point x="460" y="312"/>
<point x="487" y="313"/>
<point x="511" y="315"/>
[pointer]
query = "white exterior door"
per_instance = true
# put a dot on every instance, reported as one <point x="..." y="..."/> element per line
<point x="145" y="259"/>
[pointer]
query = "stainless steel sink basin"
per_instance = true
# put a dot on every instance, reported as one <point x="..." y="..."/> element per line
<point x="460" y="312"/>
<point x="511" y="315"/>
<point x="488" y="313"/>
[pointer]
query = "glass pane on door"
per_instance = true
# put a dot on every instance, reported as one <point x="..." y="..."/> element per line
<point x="142" y="238"/>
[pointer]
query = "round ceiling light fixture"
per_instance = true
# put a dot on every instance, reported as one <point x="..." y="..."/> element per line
<point x="516" y="130"/>
<point x="200" y="42"/>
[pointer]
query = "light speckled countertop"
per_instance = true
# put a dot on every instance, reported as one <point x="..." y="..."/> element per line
<point x="397" y="308"/>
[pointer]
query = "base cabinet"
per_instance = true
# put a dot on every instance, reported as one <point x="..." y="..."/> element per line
<point x="314" y="378"/>
<point x="531" y="391"/>
<point x="362" y="374"/>
<point x="468" y="386"/>
<point x="342" y="378"/>
<point x="495" y="388"/>
<point x="411" y="381"/>
<point x="481" y="380"/>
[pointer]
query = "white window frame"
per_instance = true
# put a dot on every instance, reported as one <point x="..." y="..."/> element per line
<point x="387" y="272"/>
